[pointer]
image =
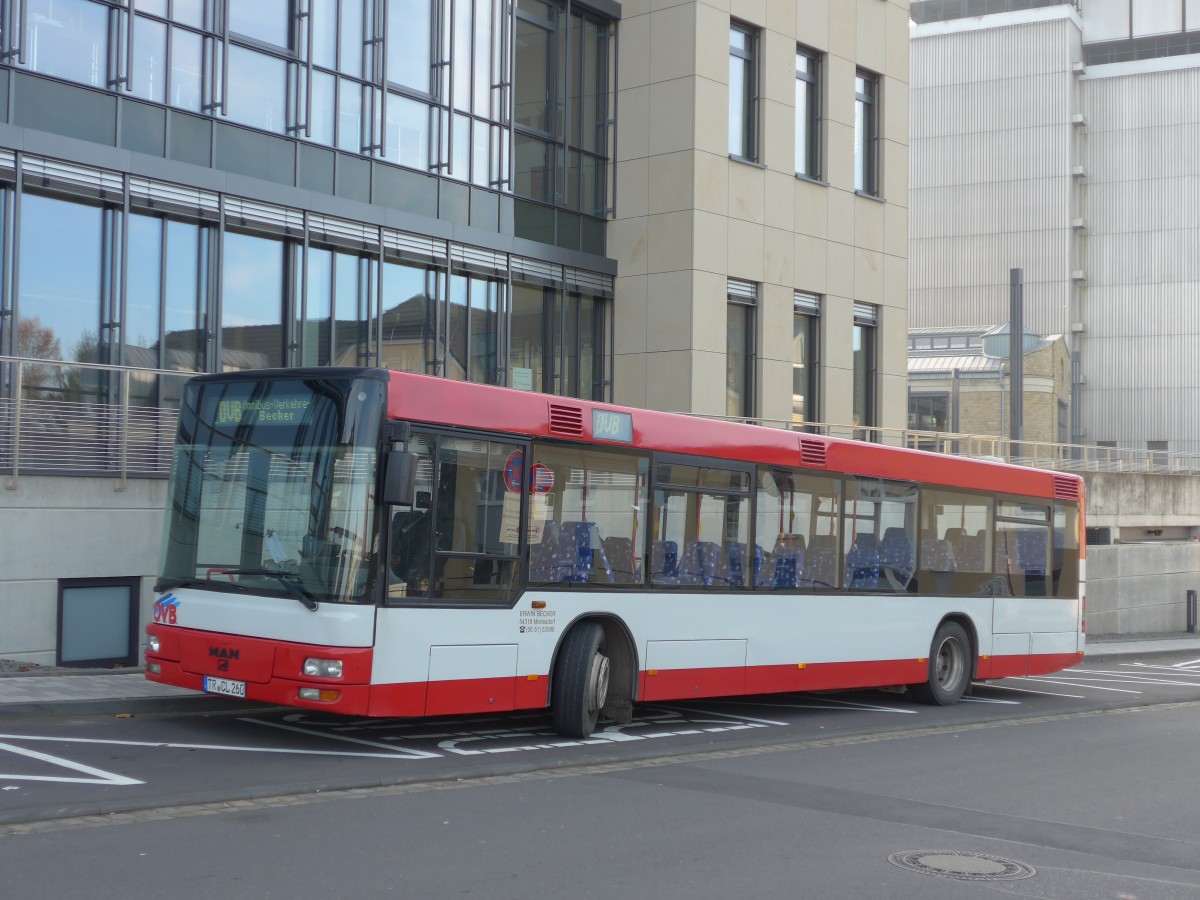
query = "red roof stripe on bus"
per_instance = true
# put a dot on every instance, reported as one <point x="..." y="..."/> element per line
<point x="440" y="401"/>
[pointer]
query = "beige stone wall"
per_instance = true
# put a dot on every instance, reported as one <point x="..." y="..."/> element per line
<point x="983" y="406"/>
<point x="688" y="217"/>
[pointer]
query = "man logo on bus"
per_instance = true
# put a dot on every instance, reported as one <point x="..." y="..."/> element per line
<point x="165" y="610"/>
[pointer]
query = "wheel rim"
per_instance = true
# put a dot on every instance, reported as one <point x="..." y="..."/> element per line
<point x="597" y="693"/>
<point x="951" y="661"/>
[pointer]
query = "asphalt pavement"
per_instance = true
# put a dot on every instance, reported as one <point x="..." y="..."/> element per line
<point x="58" y="691"/>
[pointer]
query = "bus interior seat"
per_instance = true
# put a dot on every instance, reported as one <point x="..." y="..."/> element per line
<point x="896" y="552"/>
<point x="664" y="562"/>
<point x="789" y="556"/>
<point x="862" y="568"/>
<point x="579" y="551"/>
<point x="820" y="562"/>
<point x="619" y="551"/>
<point x="970" y="557"/>
<point x="732" y="570"/>
<point x="543" y="555"/>
<point x="698" y="563"/>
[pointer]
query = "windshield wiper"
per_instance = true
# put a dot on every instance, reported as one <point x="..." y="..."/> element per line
<point x="167" y="584"/>
<point x="287" y="579"/>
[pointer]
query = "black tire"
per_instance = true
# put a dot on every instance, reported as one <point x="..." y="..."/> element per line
<point x="949" y="667"/>
<point x="580" y="686"/>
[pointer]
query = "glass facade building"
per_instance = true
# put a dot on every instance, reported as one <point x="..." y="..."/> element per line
<point x="419" y="184"/>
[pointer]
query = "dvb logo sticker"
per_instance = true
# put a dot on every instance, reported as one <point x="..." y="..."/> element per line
<point x="166" y="609"/>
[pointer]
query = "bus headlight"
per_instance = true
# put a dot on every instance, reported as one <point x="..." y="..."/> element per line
<point x="152" y="644"/>
<point x="323" y="668"/>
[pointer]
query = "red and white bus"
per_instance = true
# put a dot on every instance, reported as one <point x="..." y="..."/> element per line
<point x="377" y="543"/>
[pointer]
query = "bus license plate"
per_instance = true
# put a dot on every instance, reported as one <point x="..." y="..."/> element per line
<point x="226" y="686"/>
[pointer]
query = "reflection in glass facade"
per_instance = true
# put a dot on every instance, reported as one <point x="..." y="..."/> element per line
<point x="450" y="87"/>
<point x="216" y="283"/>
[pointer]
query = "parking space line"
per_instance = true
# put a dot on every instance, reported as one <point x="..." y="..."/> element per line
<point x="178" y="746"/>
<point x="394" y="751"/>
<point x="1005" y="687"/>
<point x="1080" y="683"/>
<point x="99" y="776"/>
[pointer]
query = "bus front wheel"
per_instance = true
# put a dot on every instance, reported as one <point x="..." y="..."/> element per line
<point x="949" y="667"/>
<point x="580" y="686"/>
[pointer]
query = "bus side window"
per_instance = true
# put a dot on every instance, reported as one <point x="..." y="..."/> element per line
<point x="411" y="530"/>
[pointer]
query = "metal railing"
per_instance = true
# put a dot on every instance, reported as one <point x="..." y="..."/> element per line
<point x="1036" y="454"/>
<point x="60" y="418"/>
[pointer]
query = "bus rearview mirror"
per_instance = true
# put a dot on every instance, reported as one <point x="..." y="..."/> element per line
<point x="400" y="478"/>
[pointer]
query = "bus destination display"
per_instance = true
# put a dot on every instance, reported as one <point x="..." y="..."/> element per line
<point x="264" y="411"/>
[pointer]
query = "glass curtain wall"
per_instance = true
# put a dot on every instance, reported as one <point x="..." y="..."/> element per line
<point x="560" y="106"/>
<point x="510" y="97"/>
<point x="168" y="287"/>
<point x="559" y="342"/>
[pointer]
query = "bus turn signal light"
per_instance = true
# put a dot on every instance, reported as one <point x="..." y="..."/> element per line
<point x="325" y="696"/>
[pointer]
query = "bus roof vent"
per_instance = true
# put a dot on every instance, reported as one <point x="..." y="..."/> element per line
<point x="566" y="420"/>
<point x="1066" y="488"/>
<point x="813" y="453"/>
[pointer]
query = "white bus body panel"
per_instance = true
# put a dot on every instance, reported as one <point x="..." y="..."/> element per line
<point x="277" y="618"/>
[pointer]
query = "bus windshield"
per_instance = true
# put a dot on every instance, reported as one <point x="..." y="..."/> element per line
<point x="272" y="487"/>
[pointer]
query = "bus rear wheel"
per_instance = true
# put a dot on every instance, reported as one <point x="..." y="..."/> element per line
<point x="580" y="687"/>
<point x="949" y="667"/>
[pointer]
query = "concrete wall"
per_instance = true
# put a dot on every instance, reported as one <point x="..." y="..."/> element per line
<point x="56" y="528"/>
<point x="1125" y="501"/>
<point x="1133" y="588"/>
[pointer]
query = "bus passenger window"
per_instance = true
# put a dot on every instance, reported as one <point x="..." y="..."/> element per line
<point x="796" y="531"/>
<point x="1022" y="547"/>
<point x="953" y="557"/>
<point x="587" y="516"/>
<point x="701" y="527"/>
<point x="1066" y="550"/>
<point x="880" y="532"/>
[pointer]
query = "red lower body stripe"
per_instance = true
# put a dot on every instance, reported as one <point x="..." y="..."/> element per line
<point x="481" y="695"/>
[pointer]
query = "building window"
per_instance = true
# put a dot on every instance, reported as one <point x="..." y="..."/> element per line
<point x="808" y="113"/>
<point x="743" y="92"/>
<point x="929" y="412"/>
<point x="252" y="301"/>
<point x="559" y="341"/>
<point x="866" y="133"/>
<point x="866" y="319"/>
<point x="805" y="359"/>
<point x="740" y="348"/>
<point x="97" y="621"/>
<point x="560" y="107"/>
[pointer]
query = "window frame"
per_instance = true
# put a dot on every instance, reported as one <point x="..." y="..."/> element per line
<point x="867" y="122"/>
<point x="743" y="296"/>
<point x="746" y="110"/>
<point x="808" y="306"/>
<point x="134" y="583"/>
<point x="809" y="129"/>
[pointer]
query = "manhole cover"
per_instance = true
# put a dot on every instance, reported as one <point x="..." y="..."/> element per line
<point x="962" y="864"/>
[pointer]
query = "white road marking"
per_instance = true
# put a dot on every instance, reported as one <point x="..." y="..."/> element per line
<point x="1174" y="670"/>
<point x="990" y="700"/>
<point x="1134" y="678"/>
<point x="819" y="703"/>
<point x="395" y="751"/>
<point x="725" y="715"/>
<point x="1005" y="687"/>
<point x="175" y="746"/>
<point x="99" y="776"/>
<point x="1081" y="683"/>
<point x="1189" y="664"/>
